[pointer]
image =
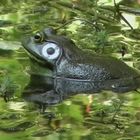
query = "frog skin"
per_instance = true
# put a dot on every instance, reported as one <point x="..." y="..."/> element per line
<point x="75" y="70"/>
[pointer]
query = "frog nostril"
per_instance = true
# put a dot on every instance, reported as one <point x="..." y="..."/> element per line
<point x="50" y="51"/>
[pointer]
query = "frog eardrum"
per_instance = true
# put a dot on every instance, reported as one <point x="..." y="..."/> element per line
<point x="51" y="51"/>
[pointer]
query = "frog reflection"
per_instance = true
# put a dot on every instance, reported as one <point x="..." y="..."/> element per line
<point x="48" y="91"/>
<point x="86" y="71"/>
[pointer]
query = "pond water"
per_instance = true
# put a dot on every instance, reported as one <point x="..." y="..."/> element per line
<point x="102" y="116"/>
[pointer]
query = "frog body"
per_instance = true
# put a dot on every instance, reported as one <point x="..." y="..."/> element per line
<point x="78" y="70"/>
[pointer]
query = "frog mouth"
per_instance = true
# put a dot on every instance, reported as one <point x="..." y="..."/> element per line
<point x="40" y="61"/>
<point x="34" y="57"/>
<point x="37" y="58"/>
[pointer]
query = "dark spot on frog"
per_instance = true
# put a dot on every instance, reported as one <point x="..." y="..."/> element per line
<point x="76" y="71"/>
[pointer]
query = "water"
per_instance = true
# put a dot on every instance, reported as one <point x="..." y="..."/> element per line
<point x="105" y="116"/>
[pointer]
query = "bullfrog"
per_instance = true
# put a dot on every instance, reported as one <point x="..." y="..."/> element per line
<point x="75" y="70"/>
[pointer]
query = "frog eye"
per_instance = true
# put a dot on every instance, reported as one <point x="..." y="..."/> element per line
<point x="38" y="37"/>
<point x="51" y="51"/>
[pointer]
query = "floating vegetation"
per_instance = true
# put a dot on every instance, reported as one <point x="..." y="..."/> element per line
<point x="99" y="26"/>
